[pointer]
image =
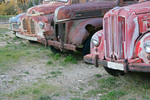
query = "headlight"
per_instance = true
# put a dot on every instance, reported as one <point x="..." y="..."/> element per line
<point x="41" y="25"/>
<point x="95" y="40"/>
<point x="147" y="47"/>
<point x="19" y="22"/>
<point x="10" y="21"/>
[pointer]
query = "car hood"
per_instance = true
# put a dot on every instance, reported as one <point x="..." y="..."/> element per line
<point x="44" y="8"/>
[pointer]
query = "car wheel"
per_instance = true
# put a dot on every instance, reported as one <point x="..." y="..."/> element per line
<point x="86" y="47"/>
<point x="114" y="72"/>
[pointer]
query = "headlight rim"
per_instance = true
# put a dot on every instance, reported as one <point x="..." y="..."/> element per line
<point x="96" y="39"/>
<point x="146" y="46"/>
<point x="41" y="23"/>
<point x="19" y="22"/>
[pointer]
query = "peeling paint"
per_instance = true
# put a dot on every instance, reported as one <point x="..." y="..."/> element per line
<point x="137" y="19"/>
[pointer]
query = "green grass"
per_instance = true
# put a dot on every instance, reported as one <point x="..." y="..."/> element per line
<point x="54" y="74"/>
<point x="64" y="59"/>
<point x="12" y="53"/>
<point x="98" y="75"/>
<point x="38" y="91"/>
<point x="70" y="59"/>
<point x="113" y="95"/>
<point x="3" y="30"/>
<point x="8" y="57"/>
<point x="49" y="62"/>
<point x="44" y="97"/>
<point x="26" y="72"/>
<point x="132" y="86"/>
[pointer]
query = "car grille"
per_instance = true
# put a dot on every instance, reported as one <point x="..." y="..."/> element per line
<point x="16" y="26"/>
<point x="32" y="26"/>
<point x="24" y="24"/>
<point x="29" y="26"/>
<point x="114" y="32"/>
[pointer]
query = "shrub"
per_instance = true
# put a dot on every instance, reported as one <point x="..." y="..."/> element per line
<point x="8" y="8"/>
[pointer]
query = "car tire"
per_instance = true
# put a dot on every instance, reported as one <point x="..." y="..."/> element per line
<point x="114" y="72"/>
<point x="86" y="47"/>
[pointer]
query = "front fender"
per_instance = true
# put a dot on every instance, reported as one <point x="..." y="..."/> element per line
<point x="80" y="32"/>
<point x="99" y="50"/>
<point x="139" y="47"/>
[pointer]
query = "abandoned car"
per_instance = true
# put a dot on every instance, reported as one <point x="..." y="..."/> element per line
<point x="124" y="43"/>
<point x="75" y="24"/>
<point x="65" y="24"/>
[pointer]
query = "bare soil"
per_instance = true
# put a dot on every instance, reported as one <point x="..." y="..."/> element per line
<point x="74" y="77"/>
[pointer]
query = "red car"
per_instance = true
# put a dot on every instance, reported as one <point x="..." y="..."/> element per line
<point x="124" y="43"/>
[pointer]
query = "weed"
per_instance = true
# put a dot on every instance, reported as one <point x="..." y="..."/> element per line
<point x="70" y="59"/>
<point x="114" y="95"/>
<point x="26" y="72"/>
<point x="44" y="97"/>
<point x="49" y="63"/>
<point x="56" y="95"/>
<point x="57" y="56"/>
<point x="55" y="72"/>
<point x="98" y="75"/>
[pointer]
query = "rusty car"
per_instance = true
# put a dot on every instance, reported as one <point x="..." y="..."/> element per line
<point x="75" y="24"/>
<point x="37" y="20"/>
<point x="65" y="24"/>
<point x="124" y="43"/>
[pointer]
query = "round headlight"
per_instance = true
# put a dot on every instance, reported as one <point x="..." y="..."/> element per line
<point x="147" y="47"/>
<point x="95" y="40"/>
<point x="10" y="21"/>
<point x="41" y="25"/>
<point x="19" y="22"/>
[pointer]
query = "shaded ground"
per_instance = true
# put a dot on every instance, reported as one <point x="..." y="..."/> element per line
<point x="32" y="72"/>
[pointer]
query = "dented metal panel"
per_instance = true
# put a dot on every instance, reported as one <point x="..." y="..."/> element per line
<point x="126" y="40"/>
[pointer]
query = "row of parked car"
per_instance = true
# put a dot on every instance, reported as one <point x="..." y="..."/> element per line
<point x="117" y="39"/>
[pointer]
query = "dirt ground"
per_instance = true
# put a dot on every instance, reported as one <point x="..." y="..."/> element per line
<point x="24" y="73"/>
<point x="32" y="72"/>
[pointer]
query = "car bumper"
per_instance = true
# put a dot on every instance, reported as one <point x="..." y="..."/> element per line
<point x="26" y="37"/>
<point x="122" y="66"/>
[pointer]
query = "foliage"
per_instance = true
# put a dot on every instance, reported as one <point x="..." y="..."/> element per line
<point x="8" y="8"/>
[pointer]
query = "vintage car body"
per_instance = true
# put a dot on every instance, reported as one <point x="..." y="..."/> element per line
<point x="124" y="43"/>
<point x="39" y="19"/>
<point x="75" y="24"/>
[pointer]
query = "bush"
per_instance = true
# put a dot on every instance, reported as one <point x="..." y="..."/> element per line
<point x="8" y="8"/>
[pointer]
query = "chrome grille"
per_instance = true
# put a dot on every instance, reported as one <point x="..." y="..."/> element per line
<point x="29" y="26"/>
<point x="15" y="26"/>
<point x="24" y="24"/>
<point x="32" y="26"/>
<point x="114" y="32"/>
